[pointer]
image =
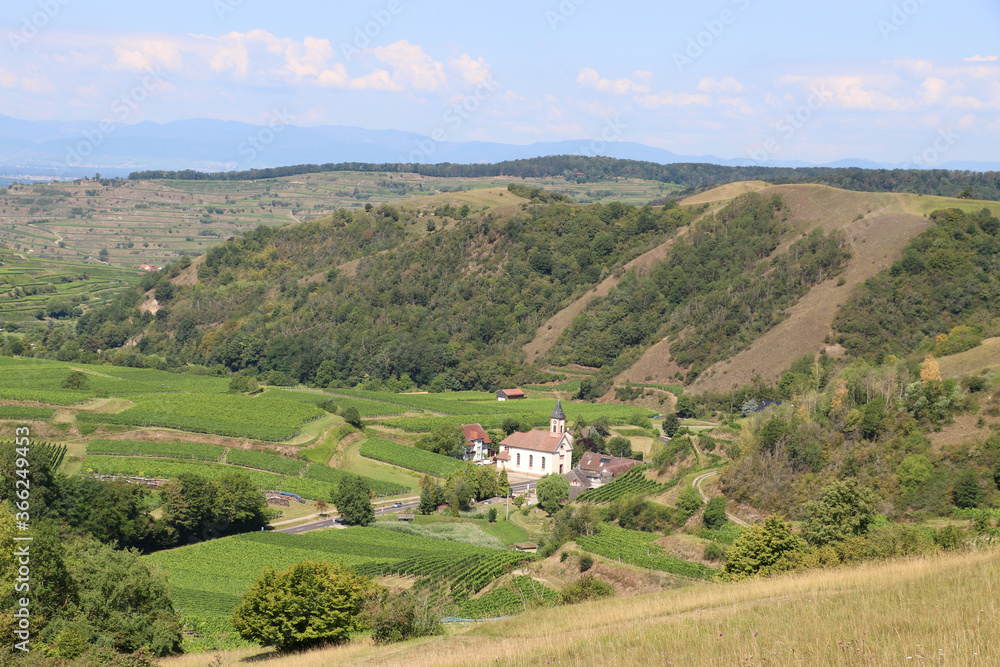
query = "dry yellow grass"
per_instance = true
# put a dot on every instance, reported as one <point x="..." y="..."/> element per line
<point x="982" y="357"/>
<point x="725" y="192"/>
<point x="944" y="609"/>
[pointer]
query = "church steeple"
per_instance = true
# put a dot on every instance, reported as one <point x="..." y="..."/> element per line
<point x="557" y="420"/>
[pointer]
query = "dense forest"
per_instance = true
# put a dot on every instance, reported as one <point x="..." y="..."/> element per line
<point x="449" y="308"/>
<point x="720" y="287"/>
<point x="691" y="176"/>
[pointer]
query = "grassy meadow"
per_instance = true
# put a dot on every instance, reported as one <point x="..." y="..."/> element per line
<point x="942" y="610"/>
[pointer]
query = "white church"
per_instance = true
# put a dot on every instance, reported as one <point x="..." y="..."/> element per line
<point x="539" y="452"/>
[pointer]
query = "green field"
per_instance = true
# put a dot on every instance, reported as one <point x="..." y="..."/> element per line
<point x="638" y="548"/>
<point x="208" y="579"/>
<point x="170" y="450"/>
<point x="409" y="457"/>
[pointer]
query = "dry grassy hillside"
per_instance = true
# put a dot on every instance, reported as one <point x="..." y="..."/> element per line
<point x="943" y="609"/>
<point x="878" y="227"/>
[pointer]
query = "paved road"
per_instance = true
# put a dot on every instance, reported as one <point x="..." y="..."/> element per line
<point x="696" y="483"/>
<point x="334" y="521"/>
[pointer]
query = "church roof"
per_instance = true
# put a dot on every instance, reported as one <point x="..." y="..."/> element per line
<point x="558" y="412"/>
<point x="537" y="440"/>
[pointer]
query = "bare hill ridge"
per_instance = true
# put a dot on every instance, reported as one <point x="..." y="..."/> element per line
<point x="878" y="226"/>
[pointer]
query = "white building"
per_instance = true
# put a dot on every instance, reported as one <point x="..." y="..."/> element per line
<point x="539" y="452"/>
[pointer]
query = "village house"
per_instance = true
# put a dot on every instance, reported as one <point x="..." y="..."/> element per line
<point x="538" y="452"/>
<point x="594" y="470"/>
<point x="510" y="394"/>
<point x="477" y="442"/>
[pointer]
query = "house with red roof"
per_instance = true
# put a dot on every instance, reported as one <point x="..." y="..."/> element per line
<point x="510" y="394"/>
<point x="477" y="442"/>
<point x="539" y="452"/>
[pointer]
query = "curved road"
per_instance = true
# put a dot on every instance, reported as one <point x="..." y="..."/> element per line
<point x="696" y="483"/>
<point x="334" y="521"/>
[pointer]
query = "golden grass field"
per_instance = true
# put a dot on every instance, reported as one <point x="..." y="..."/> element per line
<point x="943" y="610"/>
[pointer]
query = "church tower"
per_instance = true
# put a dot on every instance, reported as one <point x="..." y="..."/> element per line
<point x="557" y="420"/>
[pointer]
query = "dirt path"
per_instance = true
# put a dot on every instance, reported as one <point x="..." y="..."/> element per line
<point x="696" y="483"/>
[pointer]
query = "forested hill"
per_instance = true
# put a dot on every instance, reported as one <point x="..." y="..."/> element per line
<point x="446" y="297"/>
<point x="693" y="176"/>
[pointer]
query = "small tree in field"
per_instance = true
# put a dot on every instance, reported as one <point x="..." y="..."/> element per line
<point x="762" y="549"/>
<point x="846" y="509"/>
<point x="553" y="491"/>
<point x="715" y="513"/>
<point x="321" y="506"/>
<point x="310" y="604"/>
<point x="353" y="501"/>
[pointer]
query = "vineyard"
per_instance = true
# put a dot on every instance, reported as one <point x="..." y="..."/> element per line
<point x="25" y="412"/>
<point x="319" y="481"/>
<point x="408" y="457"/>
<point x="332" y="476"/>
<point x="208" y="578"/>
<point x="52" y="453"/>
<point x="518" y="594"/>
<point x="639" y="548"/>
<point x="271" y="419"/>
<point x="250" y="458"/>
<point x="632" y="483"/>
<point x="169" y="450"/>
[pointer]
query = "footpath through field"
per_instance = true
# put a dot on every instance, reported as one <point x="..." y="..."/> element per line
<point x="696" y="483"/>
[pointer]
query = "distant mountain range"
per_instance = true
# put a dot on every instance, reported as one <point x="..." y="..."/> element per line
<point x="79" y="148"/>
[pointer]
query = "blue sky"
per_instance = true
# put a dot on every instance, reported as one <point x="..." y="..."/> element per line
<point x="887" y="81"/>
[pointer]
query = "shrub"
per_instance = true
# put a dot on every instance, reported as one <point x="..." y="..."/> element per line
<point x="713" y="552"/>
<point x="688" y="502"/>
<point x="586" y="562"/>
<point x="587" y="587"/>
<point x="75" y="380"/>
<point x="491" y="516"/>
<point x="715" y="513"/>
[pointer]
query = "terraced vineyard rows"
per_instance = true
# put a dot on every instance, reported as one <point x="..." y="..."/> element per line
<point x="516" y="595"/>
<point x="271" y="419"/>
<point x="25" y="412"/>
<point x="249" y="458"/>
<point x="412" y="458"/>
<point x="171" y="450"/>
<point x="633" y="482"/>
<point x="208" y="578"/>
<point x="639" y="548"/>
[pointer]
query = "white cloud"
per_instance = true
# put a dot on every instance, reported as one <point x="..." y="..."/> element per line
<point x="982" y="59"/>
<point x="590" y="79"/>
<point x="669" y="99"/>
<point x="473" y="72"/>
<point x="727" y="84"/>
<point x="412" y="67"/>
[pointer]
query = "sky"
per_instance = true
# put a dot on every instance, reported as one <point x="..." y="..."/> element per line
<point x="902" y="81"/>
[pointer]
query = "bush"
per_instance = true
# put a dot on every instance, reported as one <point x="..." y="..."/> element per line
<point x="76" y="380"/>
<point x="587" y="587"/>
<point x="688" y="502"/>
<point x="713" y="552"/>
<point x="491" y="516"/>
<point x="715" y="513"/>
<point x="396" y="617"/>
<point x="586" y="562"/>
<point x="271" y="611"/>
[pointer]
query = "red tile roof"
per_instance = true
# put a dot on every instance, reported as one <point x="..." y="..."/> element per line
<point x="537" y="440"/>
<point x="503" y="456"/>
<point x="613" y="464"/>
<point x="513" y="393"/>
<point x="475" y="432"/>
